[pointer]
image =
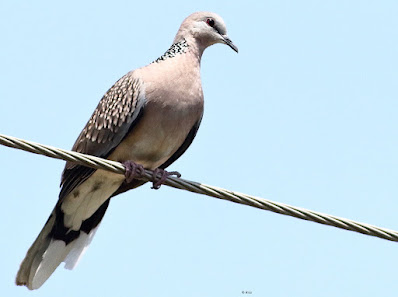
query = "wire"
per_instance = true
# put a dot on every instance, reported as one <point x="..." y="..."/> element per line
<point x="203" y="189"/>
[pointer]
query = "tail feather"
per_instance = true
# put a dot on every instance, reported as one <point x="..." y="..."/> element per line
<point x="69" y="229"/>
<point x="80" y="246"/>
<point x="50" y="249"/>
<point x="49" y="261"/>
<point x="34" y="255"/>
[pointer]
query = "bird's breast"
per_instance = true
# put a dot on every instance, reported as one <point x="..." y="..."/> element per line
<point x="170" y="113"/>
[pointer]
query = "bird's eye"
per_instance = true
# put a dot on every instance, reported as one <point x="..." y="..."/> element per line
<point x="210" y="22"/>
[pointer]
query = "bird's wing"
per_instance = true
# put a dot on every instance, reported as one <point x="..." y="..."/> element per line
<point x="116" y="114"/>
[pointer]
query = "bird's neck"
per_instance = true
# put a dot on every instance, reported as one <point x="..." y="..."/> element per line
<point x="181" y="47"/>
<point x="175" y="49"/>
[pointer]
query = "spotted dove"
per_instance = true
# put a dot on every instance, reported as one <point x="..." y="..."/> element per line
<point x="150" y="116"/>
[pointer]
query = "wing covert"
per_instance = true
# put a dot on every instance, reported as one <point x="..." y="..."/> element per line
<point x="116" y="114"/>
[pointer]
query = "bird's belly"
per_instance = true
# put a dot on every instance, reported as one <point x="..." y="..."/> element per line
<point x="152" y="151"/>
<point x="155" y="138"/>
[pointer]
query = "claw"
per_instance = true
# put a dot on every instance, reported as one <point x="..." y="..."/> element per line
<point x="133" y="170"/>
<point x="163" y="176"/>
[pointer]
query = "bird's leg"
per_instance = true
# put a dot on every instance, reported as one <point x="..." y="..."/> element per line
<point x="133" y="170"/>
<point x="163" y="176"/>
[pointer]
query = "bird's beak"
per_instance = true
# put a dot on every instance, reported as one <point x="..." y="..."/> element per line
<point x="228" y="42"/>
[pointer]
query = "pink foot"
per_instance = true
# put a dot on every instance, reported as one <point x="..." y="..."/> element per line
<point x="163" y="176"/>
<point x="133" y="170"/>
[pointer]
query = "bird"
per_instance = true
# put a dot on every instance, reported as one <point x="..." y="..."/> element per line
<point x="147" y="119"/>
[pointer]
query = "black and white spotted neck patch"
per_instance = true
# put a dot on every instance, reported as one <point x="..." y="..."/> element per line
<point x="175" y="49"/>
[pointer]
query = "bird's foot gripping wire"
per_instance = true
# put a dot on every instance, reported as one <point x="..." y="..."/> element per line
<point x="162" y="175"/>
<point x="133" y="170"/>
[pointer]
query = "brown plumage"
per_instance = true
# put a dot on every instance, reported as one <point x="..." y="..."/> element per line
<point x="149" y="116"/>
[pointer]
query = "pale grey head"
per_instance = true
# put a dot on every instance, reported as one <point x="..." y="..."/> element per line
<point x="205" y="29"/>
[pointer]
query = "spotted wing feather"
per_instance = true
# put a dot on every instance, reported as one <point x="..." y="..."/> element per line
<point x="116" y="114"/>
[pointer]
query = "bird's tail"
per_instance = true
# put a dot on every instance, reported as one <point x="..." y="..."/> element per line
<point x="30" y="265"/>
<point x="48" y="251"/>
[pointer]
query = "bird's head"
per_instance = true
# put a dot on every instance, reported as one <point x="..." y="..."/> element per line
<point x="206" y="28"/>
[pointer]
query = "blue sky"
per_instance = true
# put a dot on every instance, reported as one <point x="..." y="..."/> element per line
<point x="305" y="114"/>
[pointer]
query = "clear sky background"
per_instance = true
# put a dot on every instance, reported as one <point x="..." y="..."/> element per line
<point x="305" y="114"/>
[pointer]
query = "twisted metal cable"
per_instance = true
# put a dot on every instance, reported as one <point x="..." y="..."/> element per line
<point x="179" y="183"/>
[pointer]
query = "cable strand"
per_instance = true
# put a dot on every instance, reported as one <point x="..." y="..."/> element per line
<point x="195" y="187"/>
